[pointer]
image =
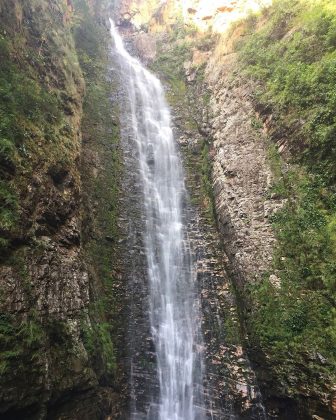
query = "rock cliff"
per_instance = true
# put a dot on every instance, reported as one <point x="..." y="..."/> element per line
<point x="55" y="346"/>
<point x="242" y="176"/>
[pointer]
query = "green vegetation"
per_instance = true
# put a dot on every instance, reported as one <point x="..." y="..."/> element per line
<point x="97" y="341"/>
<point x="23" y="344"/>
<point x="39" y="92"/>
<point x="169" y="64"/>
<point x="205" y="169"/>
<point x="202" y="166"/>
<point x="26" y="109"/>
<point x="16" y="339"/>
<point x="41" y="89"/>
<point x="100" y="129"/>
<point x="292" y="58"/>
<point x="8" y="212"/>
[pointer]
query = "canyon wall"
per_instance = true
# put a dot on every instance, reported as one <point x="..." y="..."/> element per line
<point x="57" y="346"/>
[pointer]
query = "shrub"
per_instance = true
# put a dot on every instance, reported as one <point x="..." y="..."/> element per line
<point x="293" y="59"/>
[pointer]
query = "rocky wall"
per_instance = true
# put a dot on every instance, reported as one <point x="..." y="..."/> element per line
<point x="47" y="326"/>
<point x="242" y="175"/>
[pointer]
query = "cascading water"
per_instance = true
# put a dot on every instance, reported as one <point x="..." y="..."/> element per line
<point x="174" y="314"/>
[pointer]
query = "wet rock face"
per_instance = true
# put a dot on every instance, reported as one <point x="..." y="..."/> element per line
<point x="57" y="279"/>
<point x="46" y="291"/>
<point x="230" y="383"/>
<point x="241" y="176"/>
<point x="230" y="386"/>
<point x="139" y="354"/>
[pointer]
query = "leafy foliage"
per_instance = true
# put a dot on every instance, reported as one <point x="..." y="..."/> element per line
<point x="292" y="57"/>
<point x="97" y="341"/>
<point x="18" y="341"/>
<point x="25" y="106"/>
<point x="22" y="100"/>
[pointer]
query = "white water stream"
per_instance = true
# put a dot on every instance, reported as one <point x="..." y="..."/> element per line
<point x="174" y="314"/>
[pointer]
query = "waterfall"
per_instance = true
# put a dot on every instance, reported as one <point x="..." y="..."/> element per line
<point x="174" y="313"/>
